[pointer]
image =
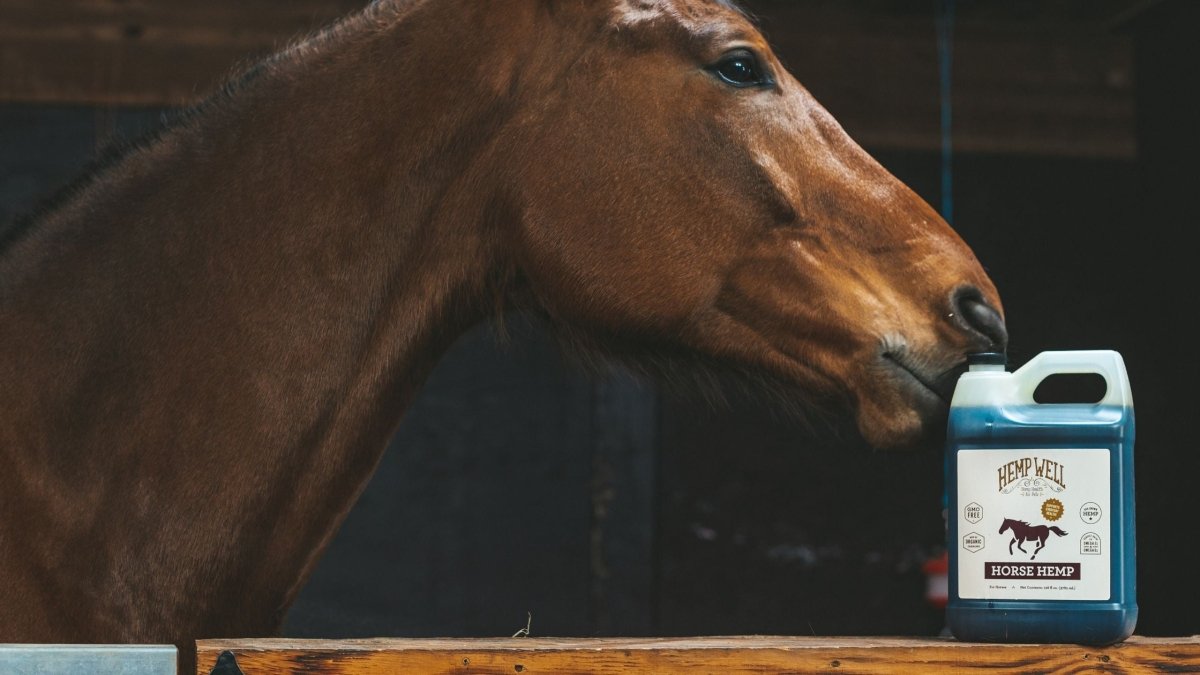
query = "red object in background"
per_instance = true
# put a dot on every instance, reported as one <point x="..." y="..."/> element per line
<point x="936" y="589"/>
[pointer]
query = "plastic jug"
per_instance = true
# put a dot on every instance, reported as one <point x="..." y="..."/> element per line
<point x="1040" y="522"/>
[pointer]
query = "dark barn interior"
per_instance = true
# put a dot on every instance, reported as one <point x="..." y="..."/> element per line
<point x="607" y="506"/>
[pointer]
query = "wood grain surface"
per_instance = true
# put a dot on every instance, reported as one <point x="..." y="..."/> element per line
<point x="727" y="655"/>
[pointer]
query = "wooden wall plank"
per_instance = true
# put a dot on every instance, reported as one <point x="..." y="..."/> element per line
<point x="142" y="52"/>
<point x="730" y="655"/>
<point x="1061" y="88"/>
<point x="1025" y="90"/>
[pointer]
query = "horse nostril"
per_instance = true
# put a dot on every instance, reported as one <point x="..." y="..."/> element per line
<point x="982" y="318"/>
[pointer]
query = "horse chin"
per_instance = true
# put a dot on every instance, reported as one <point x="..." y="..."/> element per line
<point x="902" y="415"/>
<point x="903" y="401"/>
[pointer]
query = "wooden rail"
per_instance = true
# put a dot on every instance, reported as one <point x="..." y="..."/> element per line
<point x="726" y="655"/>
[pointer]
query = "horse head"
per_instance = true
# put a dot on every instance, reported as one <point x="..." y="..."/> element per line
<point x="680" y="191"/>
<point x="1008" y="522"/>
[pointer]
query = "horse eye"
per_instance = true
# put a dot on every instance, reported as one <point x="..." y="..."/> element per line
<point x="740" y="68"/>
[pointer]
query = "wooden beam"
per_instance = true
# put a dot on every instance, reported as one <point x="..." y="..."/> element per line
<point x="730" y="655"/>
<point x="142" y="52"/>
<point x="1054" y="84"/>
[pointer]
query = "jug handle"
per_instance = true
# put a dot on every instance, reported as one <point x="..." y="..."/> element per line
<point x="1106" y="363"/>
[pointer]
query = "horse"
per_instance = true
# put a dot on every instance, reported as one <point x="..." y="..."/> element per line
<point x="209" y="339"/>
<point x="1023" y="532"/>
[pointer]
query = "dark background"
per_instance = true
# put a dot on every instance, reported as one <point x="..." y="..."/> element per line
<point x="604" y="506"/>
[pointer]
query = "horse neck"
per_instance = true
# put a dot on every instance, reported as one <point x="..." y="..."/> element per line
<point x="216" y="338"/>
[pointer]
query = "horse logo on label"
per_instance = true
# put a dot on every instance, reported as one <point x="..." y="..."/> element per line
<point x="1023" y="532"/>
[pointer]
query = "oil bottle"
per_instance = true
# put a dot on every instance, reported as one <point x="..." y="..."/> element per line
<point x="1040" y="522"/>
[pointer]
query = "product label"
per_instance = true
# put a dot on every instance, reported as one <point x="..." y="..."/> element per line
<point x="1033" y="524"/>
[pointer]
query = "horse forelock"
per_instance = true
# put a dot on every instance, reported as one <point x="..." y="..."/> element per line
<point x="690" y="21"/>
<point x="694" y="9"/>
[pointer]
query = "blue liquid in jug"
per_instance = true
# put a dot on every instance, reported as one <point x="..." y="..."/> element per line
<point x="1060" y="427"/>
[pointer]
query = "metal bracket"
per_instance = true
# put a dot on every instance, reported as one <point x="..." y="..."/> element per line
<point x="226" y="665"/>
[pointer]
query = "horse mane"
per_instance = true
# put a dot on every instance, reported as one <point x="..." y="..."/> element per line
<point x="238" y="79"/>
<point x="112" y="154"/>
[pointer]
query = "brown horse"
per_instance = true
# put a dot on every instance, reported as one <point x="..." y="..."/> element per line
<point x="207" y="343"/>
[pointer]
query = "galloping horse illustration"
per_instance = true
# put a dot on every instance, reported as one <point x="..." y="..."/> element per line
<point x="208" y="341"/>
<point x="1023" y="532"/>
